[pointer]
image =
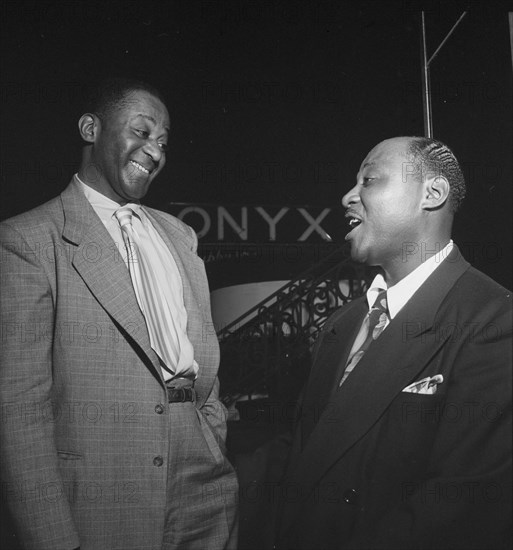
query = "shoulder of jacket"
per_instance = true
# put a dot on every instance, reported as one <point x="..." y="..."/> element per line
<point x="481" y="286"/>
<point x="38" y="219"/>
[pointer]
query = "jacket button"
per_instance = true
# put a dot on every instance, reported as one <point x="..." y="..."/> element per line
<point x="159" y="409"/>
<point x="158" y="461"/>
<point x="350" y="497"/>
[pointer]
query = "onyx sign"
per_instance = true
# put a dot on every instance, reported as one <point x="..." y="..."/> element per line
<point x="256" y="224"/>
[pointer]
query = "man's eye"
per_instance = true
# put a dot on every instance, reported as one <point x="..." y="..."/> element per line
<point x="142" y="133"/>
<point x="163" y="146"/>
<point x="366" y="181"/>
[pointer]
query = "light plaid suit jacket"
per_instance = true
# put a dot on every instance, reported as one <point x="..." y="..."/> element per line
<point x="85" y="426"/>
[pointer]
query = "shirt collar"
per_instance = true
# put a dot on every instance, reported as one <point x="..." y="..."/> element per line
<point x="401" y="292"/>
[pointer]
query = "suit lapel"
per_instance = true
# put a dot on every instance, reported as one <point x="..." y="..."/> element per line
<point x="333" y="350"/>
<point x="102" y="269"/>
<point x="389" y="365"/>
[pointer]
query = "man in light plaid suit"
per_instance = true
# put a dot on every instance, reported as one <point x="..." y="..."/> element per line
<point x="103" y="446"/>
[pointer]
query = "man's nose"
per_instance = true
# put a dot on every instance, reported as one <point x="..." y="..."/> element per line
<point x="152" y="149"/>
<point x="351" y="197"/>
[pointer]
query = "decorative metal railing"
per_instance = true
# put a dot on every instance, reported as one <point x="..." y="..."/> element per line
<point x="267" y="350"/>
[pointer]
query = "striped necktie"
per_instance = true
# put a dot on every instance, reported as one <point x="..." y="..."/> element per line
<point x="164" y="335"/>
<point x="374" y="325"/>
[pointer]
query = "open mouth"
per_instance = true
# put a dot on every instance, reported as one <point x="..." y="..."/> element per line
<point x="139" y="167"/>
<point x="353" y="222"/>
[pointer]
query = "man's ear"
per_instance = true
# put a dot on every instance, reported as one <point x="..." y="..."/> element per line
<point x="89" y="126"/>
<point x="436" y="192"/>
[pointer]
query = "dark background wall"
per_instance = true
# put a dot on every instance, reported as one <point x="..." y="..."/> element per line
<point x="271" y="102"/>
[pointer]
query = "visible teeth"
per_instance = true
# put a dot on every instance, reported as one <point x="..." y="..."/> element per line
<point x="353" y="222"/>
<point x="140" y="167"/>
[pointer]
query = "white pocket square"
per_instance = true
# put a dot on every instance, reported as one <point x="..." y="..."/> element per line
<point x="427" y="386"/>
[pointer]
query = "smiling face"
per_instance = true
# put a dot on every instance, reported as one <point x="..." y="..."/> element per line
<point x="384" y="208"/>
<point x="128" y="147"/>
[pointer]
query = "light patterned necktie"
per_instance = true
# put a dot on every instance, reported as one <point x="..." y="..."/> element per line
<point x="375" y="323"/>
<point x="161" y="324"/>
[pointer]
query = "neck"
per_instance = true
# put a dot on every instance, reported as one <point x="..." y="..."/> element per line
<point x="89" y="174"/>
<point x="412" y="256"/>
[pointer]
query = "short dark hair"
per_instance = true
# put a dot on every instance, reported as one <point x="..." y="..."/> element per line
<point x="113" y="93"/>
<point x="434" y="157"/>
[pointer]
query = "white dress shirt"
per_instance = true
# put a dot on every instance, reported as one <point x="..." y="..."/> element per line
<point x="401" y="292"/>
<point x="167" y="272"/>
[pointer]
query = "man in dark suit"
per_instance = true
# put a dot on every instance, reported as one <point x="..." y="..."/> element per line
<point x="404" y="437"/>
<point x="112" y="433"/>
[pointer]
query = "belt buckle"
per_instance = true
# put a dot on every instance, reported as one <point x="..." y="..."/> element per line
<point x="180" y="395"/>
<point x="183" y="394"/>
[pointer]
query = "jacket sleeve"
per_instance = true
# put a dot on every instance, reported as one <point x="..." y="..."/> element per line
<point x="32" y="487"/>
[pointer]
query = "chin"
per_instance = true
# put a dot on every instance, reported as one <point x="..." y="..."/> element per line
<point x="363" y="256"/>
<point x="136" y="193"/>
<point x="357" y="256"/>
<point x="135" y="188"/>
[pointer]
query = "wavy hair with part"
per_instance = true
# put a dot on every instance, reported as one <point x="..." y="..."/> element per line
<point x="434" y="158"/>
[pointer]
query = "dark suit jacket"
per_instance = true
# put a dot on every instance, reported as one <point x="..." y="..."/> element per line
<point x="86" y="427"/>
<point x="375" y="467"/>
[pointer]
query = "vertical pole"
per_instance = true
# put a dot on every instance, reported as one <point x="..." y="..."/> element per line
<point x="426" y="92"/>
<point x="510" y="17"/>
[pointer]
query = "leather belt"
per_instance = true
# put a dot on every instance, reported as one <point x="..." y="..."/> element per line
<point x="177" y="394"/>
<point x="180" y="395"/>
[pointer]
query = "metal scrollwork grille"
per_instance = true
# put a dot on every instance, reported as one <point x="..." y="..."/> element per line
<point x="267" y="350"/>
